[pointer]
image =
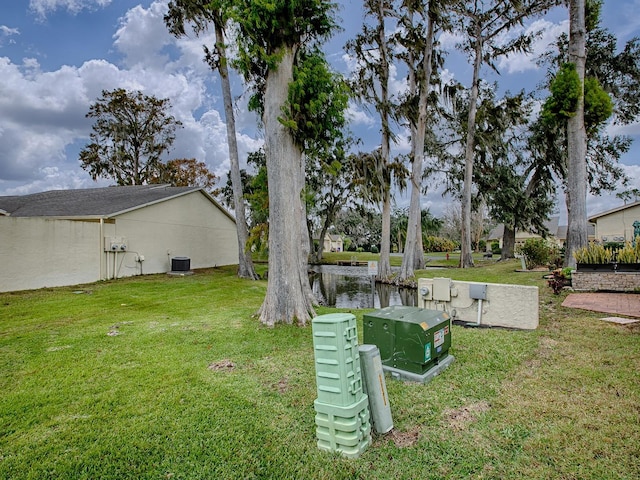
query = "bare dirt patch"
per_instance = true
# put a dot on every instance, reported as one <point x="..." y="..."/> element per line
<point x="405" y="439"/>
<point x="222" y="365"/>
<point x="282" y="386"/>
<point x="547" y="347"/>
<point x="460" y="418"/>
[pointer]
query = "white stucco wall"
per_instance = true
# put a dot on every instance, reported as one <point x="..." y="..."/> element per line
<point x="511" y="306"/>
<point x="40" y="252"/>
<point x="188" y="226"/>
<point x="617" y="224"/>
<point x="37" y="253"/>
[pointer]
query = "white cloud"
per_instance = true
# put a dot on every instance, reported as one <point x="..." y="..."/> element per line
<point x="547" y="33"/>
<point x="43" y="126"/>
<point x="402" y="143"/>
<point x="632" y="129"/>
<point x="449" y="40"/>
<point x="357" y="116"/>
<point x="142" y="36"/>
<point x="42" y="113"/>
<point x="6" y="32"/>
<point x="42" y="7"/>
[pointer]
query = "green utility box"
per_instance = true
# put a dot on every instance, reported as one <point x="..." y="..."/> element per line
<point x="342" y="408"/>
<point x="414" y="342"/>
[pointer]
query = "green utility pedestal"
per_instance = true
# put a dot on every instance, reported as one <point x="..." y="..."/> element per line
<point x="342" y="412"/>
<point x="414" y="342"/>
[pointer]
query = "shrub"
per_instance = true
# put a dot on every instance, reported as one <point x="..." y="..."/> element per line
<point x="629" y="253"/>
<point x="438" y="244"/>
<point x="495" y="248"/>
<point x="593" y="253"/>
<point x="537" y="252"/>
<point x="374" y="249"/>
<point x="482" y="245"/>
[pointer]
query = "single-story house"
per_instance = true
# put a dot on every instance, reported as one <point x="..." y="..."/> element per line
<point x="69" y="237"/>
<point x="522" y="236"/>
<point x="561" y="235"/>
<point x="557" y="234"/>
<point x="333" y="243"/>
<point x="617" y="225"/>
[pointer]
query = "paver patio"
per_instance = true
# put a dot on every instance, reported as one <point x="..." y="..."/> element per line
<point x="616" y="303"/>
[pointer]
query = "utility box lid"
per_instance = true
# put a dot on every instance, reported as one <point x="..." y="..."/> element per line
<point x="409" y="338"/>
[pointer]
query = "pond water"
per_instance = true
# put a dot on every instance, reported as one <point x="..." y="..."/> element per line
<point x="352" y="287"/>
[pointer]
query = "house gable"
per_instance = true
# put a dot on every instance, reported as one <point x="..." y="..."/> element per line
<point x="94" y="202"/>
<point x="617" y="225"/>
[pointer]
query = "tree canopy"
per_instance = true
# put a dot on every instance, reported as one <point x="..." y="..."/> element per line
<point x="131" y="134"/>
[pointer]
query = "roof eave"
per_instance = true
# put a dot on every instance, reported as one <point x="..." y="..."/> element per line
<point x="164" y="199"/>
<point x="154" y="202"/>
<point x="593" y="218"/>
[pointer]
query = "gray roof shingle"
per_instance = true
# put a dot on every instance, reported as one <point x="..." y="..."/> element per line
<point x="89" y="202"/>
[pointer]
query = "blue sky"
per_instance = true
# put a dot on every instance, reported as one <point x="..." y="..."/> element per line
<point x="56" y="56"/>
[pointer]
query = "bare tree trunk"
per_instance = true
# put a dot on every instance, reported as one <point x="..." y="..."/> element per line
<point x="245" y="263"/>
<point x="413" y="258"/>
<point x="508" y="242"/>
<point x="306" y="237"/>
<point x="466" y="258"/>
<point x="384" y="265"/>
<point x="576" y="193"/>
<point x="323" y="234"/>
<point x="288" y="290"/>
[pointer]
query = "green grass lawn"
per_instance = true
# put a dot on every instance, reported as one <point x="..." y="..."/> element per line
<point x="162" y="377"/>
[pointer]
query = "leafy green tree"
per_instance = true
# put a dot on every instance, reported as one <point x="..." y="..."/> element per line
<point x="484" y="22"/>
<point x="373" y="179"/>
<point x="202" y="14"/>
<point x="330" y="187"/>
<point x="374" y="52"/>
<point x="272" y="36"/>
<point x="315" y="111"/>
<point x="576" y="191"/>
<point x="627" y="195"/>
<point x="399" y="221"/>
<point x="608" y="72"/>
<point x="430" y="224"/>
<point x="131" y="134"/>
<point x="359" y="224"/>
<point x="419" y="21"/>
<point x="256" y="198"/>
<point x="518" y="186"/>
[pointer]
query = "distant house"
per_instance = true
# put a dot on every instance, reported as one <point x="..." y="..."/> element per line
<point x="562" y="233"/>
<point x="617" y="225"/>
<point x="333" y="243"/>
<point x="522" y="236"/>
<point x="557" y="234"/>
<point x="69" y="237"/>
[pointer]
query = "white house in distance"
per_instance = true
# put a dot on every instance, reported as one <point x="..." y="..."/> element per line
<point x="617" y="225"/>
<point x="69" y="237"/>
<point x="522" y="236"/>
<point x="333" y="243"/>
<point x="557" y="234"/>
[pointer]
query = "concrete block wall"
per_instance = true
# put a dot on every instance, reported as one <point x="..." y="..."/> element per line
<point x="612" y="281"/>
<point x="511" y="306"/>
